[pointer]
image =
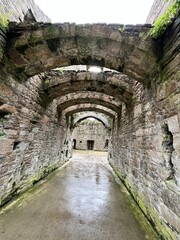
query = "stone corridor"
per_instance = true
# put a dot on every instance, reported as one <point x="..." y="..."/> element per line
<point x="47" y="90"/>
<point x="81" y="201"/>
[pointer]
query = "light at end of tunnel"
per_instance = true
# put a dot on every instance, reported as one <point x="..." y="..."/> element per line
<point x="91" y="119"/>
<point x="95" y="69"/>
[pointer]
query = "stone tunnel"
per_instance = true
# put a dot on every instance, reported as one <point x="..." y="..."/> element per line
<point x="137" y="99"/>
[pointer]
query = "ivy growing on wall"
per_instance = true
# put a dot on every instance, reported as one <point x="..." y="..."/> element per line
<point x="4" y="19"/>
<point x="162" y="22"/>
<point x="4" y="22"/>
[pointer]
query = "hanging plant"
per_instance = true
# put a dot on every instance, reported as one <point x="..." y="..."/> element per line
<point x="163" y="22"/>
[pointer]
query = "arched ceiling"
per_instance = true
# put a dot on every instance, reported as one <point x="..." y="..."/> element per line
<point x="89" y="100"/>
<point x="56" y="84"/>
<point x="79" y="117"/>
<point x="35" y="48"/>
<point x="88" y="97"/>
<point x="89" y="107"/>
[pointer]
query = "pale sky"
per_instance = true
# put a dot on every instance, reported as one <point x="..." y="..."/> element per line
<point x="96" y="11"/>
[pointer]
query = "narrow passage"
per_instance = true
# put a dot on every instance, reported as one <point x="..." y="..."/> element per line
<point x="82" y="201"/>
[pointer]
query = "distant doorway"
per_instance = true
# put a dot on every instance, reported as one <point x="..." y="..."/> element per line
<point x="74" y="143"/>
<point x="90" y="144"/>
<point x="106" y="144"/>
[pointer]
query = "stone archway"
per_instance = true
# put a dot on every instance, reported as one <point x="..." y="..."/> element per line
<point x="91" y="131"/>
<point x="89" y="107"/>
<point x="88" y="97"/>
<point x="56" y="84"/>
<point x="39" y="47"/>
<point x="89" y="114"/>
<point x="34" y="135"/>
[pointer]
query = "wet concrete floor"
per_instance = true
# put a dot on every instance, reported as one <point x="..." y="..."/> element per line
<point x="82" y="201"/>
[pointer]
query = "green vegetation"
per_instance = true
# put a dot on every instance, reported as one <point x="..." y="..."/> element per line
<point x="150" y="213"/>
<point x="4" y="20"/>
<point x="3" y="26"/>
<point x="24" y="193"/>
<point x="60" y="69"/>
<point x="1" y="135"/>
<point x="163" y="22"/>
<point x="122" y="29"/>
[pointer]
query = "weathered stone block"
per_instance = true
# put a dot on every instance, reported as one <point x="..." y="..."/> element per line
<point x="138" y="110"/>
<point x="170" y="217"/>
<point x="6" y="146"/>
<point x="11" y="132"/>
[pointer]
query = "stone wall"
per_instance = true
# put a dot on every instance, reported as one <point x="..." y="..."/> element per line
<point x="32" y="139"/>
<point x="92" y="130"/>
<point x="146" y="143"/>
<point x="106" y="120"/>
<point x="2" y="41"/>
<point x="158" y="8"/>
<point x="17" y="10"/>
<point x="35" y="138"/>
<point x="28" y="132"/>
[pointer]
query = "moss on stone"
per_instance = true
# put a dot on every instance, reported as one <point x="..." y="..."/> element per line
<point x="121" y="29"/>
<point x="165" y="20"/>
<point x="137" y="212"/>
<point x="2" y="135"/>
<point x="27" y="187"/>
<point x="52" y="32"/>
<point x="42" y="174"/>
<point x="160" y="225"/>
<point x="151" y="214"/>
<point x="4" y="20"/>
